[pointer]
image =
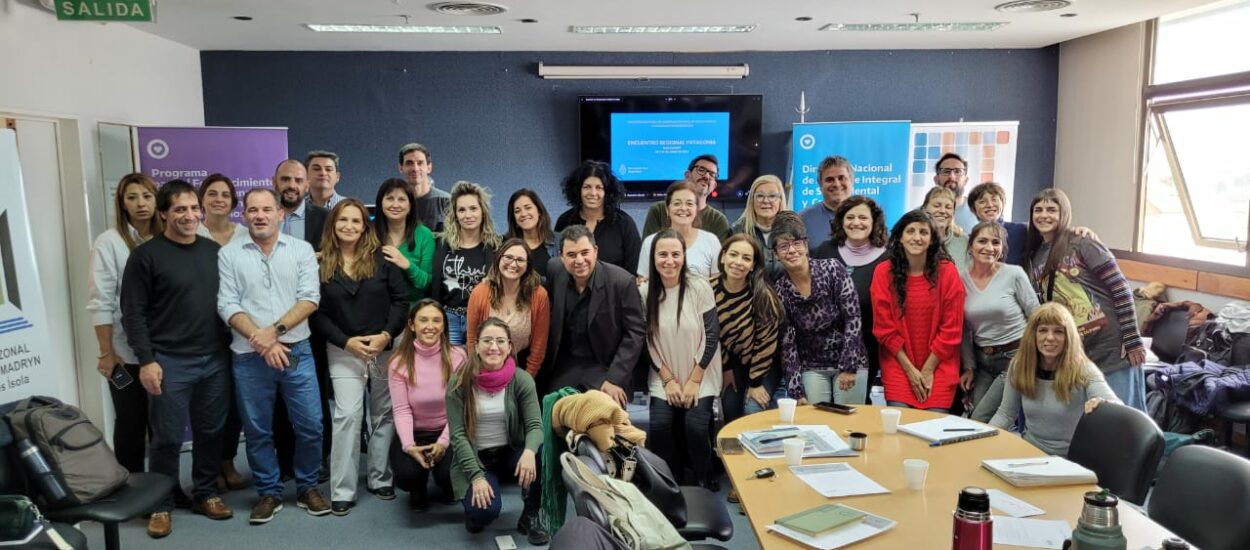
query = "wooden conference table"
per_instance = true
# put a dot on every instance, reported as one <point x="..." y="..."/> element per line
<point x="924" y="517"/>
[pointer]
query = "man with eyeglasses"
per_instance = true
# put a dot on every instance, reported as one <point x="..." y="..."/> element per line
<point x="951" y="172"/>
<point x="837" y="182"/>
<point x="702" y="174"/>
<point x="269" y="287"/>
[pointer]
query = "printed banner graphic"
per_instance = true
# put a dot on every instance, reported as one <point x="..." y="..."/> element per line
<point x="988" y="147"/>
<point x="24" y="336"/>
<point x="877" y="151"/>
<point x="247" y="156"/>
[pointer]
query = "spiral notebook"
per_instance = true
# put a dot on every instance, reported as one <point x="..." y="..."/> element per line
<point x="948" y="429"/>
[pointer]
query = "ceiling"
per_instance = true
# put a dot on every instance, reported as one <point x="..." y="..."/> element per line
<point x="279" y="24"/>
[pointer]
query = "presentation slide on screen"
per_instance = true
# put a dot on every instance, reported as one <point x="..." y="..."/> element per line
<point x="659" y="146"/>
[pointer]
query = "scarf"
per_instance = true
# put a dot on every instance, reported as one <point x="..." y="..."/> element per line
<point x="856" y="256"/>
<point x="494" y="381"/>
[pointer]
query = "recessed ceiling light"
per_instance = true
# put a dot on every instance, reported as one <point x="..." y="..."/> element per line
<point x="804" y="18"/>
<point x="417" y="29"/>
<point x="243" y="17"/>
<point x="528" y="20"/>
<point x="1067" y="15"/>
<point x="604" y="29"/>
<point x="1032" y="6"/>
<point x="475" y="9"/>
<point x="913" y="27"/>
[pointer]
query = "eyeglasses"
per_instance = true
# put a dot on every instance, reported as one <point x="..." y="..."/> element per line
<point x="787" y="246"/>
<point x="767" y="197"/>
<point x="510" y="259"/>
<point x="494" y="342"/>
<point x="952" y="171"/>
<point x="704" y="171"/>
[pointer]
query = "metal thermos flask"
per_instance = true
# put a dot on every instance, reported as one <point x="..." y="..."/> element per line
<point x="974" y="528"/>
<point x="37" y="467"/>
<point x="1099" y="525"/>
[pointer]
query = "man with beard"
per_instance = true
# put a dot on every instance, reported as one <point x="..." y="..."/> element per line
<point x="302" y="218"/>
<point x="702" y="174"/>
<point x="951" y="172"/>
<point x="837" y="182"/>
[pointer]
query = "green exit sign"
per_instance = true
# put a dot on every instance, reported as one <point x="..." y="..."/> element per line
<point x="104" y="10"/>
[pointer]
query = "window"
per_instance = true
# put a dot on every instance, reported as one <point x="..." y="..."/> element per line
<point x="1197" y="170"/>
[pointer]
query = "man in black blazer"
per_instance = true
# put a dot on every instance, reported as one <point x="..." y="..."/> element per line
<point x="303" y="219"/>
<point x="597" y="329"/>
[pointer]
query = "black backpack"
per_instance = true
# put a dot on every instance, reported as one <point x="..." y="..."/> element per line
<point x="72" y="446"/>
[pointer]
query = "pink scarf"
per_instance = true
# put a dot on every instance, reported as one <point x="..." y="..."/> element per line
<point x="494" y="381"/>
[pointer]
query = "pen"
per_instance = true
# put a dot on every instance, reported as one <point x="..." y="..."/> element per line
<point x="776" y="439"/>
<point x="960" y="430"/>
<point x="1019" y="464"/>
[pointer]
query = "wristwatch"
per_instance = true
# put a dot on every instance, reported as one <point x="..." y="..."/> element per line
<point x="281" y="328"/>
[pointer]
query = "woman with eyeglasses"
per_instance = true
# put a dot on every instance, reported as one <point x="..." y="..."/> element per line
<point x="594" y="196"/>
<point x="363" y="302"/>
<point x="765" y="199"/>
<point x="496" y="431"/>
<point x="406" y="242"/>
<point x="939" y="202"/>
<point x="703" y="249"/>
<point x="683" y="340"/>
<point x="528" y="220"/>
<point x="918" y="316"/>
<point x="463" y="254"/>
<point x="513" y="293"/>
<point x="822" y="350"/>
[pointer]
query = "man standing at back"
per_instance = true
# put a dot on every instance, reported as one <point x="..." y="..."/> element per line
<point x="951" y="172"/>
<point x="596" y="330"/>
<point x="269" y="287"/>
<point x="416" y="166"/>
<point x="301" y="218"/>
<point x="323" y="178"/>
<point x="701" y="173"/>
<point x="837" y="182"/>
<point x="169" y="297"/>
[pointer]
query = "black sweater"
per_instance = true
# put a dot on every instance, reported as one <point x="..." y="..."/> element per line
<point x="169" y="299"/>
<point x="358" y="308"/>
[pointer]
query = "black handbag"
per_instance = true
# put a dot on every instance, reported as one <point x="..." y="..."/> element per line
<point x="652" y="476"/>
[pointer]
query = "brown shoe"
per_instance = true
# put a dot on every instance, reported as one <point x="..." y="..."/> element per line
<point x="212" y="507"/>
<point x="230" y="478"/>
<point x="733" y="496"/>
<point x="160" y="525"/>
<point x="312" y="502"/>
<point x="265" y="510"/>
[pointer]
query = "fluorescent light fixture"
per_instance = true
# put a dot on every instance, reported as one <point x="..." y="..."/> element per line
<point x="416" y="29"/>
<point x="634" y="72"/>
<point x="660" y="29"/>
<point x="913" y="27"/>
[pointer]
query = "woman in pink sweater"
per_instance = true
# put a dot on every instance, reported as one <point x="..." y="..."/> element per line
<point x="420" y="367"/>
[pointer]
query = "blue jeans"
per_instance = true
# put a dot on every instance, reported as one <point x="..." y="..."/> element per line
<point x="1129" y="384"/>
<point x="198" y="385"/>
<point x="456" y="323"/>
<point x="734" y="400"/>
<point x="257" y="386"/>
<point x="501" y="461"/>
<point x="822" y="386"/>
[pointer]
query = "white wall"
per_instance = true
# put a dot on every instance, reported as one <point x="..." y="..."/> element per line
<point x="82" y="74"/>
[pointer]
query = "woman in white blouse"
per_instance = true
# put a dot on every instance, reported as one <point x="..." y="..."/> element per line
<point x="702" y="247"/>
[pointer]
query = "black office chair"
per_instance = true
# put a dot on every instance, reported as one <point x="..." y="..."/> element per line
<point x="1235" y="413"/>
<point x="1202" y="495"/>
<point x="1120" y="444"/>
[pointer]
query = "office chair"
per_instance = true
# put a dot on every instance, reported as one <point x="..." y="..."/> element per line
<point x="1120" y="444"/>
<point x="1202" y="495"/>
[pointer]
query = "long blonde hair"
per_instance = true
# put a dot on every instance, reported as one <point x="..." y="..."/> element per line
<point x="468" y="376"/>
<point x="367" y="247"/>
<point x="404" y="362"/>
<point x="451" y="225"/>
<point x="1071" y="370"/>
<point x="748" y="213"/>
<point x="121" y="216"/>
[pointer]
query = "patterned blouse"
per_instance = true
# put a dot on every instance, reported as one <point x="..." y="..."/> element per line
<point x="822" y="332"/>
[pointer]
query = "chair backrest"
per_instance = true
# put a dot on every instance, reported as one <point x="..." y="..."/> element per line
<point x="1120" y="444"/>
<point x="1202" y="495"/>
<point x="583" y="504"/>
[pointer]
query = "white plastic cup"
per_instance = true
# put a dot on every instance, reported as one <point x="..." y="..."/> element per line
<point x="889" y="420"/>
<point x="915" y="470"/>
<point x="786" y="406"/>
<point x="794" y="450"/>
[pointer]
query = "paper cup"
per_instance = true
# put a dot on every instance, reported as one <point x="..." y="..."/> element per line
<point x="889" y="420"/>
<point x="794" y="450"/>
<point x="786" y="406"/>
<point x="915" y="470"/>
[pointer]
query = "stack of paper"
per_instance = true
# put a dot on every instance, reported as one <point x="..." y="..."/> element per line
<point x="1033" y="533"/>
<point x="837" y="479"/>
<point x="869" y="526"/>
<point x="948" y="429"/>
<point x="821" y="441"/>
<point x="1030" y="472"/>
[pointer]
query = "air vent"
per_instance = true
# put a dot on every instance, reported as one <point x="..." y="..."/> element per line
<point x="475" y="9"/>
<point x="1032" y="6"/>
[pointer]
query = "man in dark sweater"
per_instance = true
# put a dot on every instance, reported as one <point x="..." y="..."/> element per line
<point x="432" y="203"/>
<point x="169" y="309"/>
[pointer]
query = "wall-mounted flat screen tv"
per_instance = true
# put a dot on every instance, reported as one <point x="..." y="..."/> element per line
<point x="649" y="140"/>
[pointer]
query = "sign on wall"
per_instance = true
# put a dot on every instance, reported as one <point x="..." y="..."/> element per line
<point x="104" y="10"/>
<point x="247" y="156"/>
<point x="989" y="148"/>
<point x="876" y="150"/>
<point x="24" y="336"/>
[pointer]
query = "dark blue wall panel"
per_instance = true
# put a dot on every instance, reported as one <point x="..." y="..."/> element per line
<point x="487" y="116"/>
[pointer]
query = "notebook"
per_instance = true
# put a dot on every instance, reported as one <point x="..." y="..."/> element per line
<point x="947" y="430"/>
<point x="867" y="526"/>
<point x="821" y="520"/>
<point x="1035" y="471"/>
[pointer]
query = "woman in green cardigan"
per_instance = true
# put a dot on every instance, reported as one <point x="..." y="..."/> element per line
<point x="407" y="242"/>
<point x="496" y="430"/>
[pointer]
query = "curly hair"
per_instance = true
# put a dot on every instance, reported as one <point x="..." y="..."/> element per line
<point x="876" y="237"/>
<point x="612" y="190"/>
<point x="451" y="224"/>
<point x="899" y="264"/>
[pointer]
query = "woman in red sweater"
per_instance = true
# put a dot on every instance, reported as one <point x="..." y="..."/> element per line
<point x="918" y="316"/>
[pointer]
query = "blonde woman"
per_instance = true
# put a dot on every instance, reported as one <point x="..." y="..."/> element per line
<point x="939" y="202"/>
<point x="766" y="198"/>
<point x="463" y="254"/>
<point x="1051" y="381"/>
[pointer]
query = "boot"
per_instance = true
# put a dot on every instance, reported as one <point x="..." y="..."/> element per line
<point x="230" y="479"/>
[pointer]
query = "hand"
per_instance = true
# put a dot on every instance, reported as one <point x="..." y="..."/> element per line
<point x="525" y="469"/>
<point x="358" y="346"/>
<point x="435" y="452"/>
<point x="264" y="339"/>
<point x="639" y="280"/>
<point x="377" y="343"/>
<point x="727" y="380"/>
<point x="615" y="391"/>
<point x="759" y="395"/>
<point x="846" y="380"/>
<point x="1085" y="232"/>
<point x="926" y="376"/>
<point x="690" y="393"/>
<point x="1093" y="404"/>
<point x="674" y="394"/>
<point x="482" y="493"/>
<point x="965" y="380"/>
<point x="277" y="357"/>
<point x="106" y="364"/>
<point x="150" y="375"/>
<point x="802" y="401"/>
<point x="916" y="381"/>
<point x="393" y="255"/>
<point x="418" y="452"/>
<point x="1135" y="357"/>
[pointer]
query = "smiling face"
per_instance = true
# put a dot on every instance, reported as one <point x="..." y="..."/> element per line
<point x="416" y="169"/>
<point x="1046" y="217"/>
<point x="579" y="258"/>
<point x="468" y="212"/>
<point x="395" y="206"/>
<point x="1051" y="340"/>
<point x="986" y="247"/>
<point x="262" y="215"/>
<point x="592" y="193"/>
<point x="737" y="261"/>
<point x="427" y="325"/>
<point x="791" y="252"/>
<point x="836" y="185"/>
<point x="513" y="263"/>
<point x="989" y="207"/>
<point x="217" y="199"/>
<point x="943" y="211"/>
<point x="682" y="208"/>
<point x="669" y="258"/>
<point x="916" y="239"/>
<point x="703" y="176"/>
<point x="493" y="346"/>
<point x="291" y="183"/>
<point x="140" y="204"/>
<point x="857" y="224"/>
<point x="349" y="226"/>
<point x="182" y="218"/>
<point x="766" y="200"/>
<point x="525" y="212"/>
<point x="953" y="175"/>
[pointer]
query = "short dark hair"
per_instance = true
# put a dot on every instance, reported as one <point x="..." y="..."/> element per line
<point x="165" y="195"/>
<point x="709" y="158"/>
<point x="266" y="190"/>
<point x="319" y="154"/>
<point x="987" y="188"/>
<point x="788" y="224"/>
<point x="574" y="233"/>
<point x="214" y="178"/>
<point x="938" y="165"/>
<point x="403" y="151"/>
<point x="835" y="160"/>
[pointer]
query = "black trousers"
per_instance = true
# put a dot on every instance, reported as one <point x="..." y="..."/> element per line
<point x="234" y="425"/>
<point x="130" y="421"/>
<point x="411" y="476"/>
<point x="683" y="438"/>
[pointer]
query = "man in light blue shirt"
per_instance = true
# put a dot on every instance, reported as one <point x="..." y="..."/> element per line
<point x="301" y="218"/>
<point x="269" y="287"/>
<point x="837" y="182"/>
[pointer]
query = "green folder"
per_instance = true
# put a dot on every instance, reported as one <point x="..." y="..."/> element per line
<point x="821" y="520"/>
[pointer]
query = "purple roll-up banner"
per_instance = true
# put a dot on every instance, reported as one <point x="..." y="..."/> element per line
<point x="247" y="156"/>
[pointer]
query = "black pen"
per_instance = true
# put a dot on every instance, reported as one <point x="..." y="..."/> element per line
<point x="960" y="430"/>
<point x="776" y="439"/>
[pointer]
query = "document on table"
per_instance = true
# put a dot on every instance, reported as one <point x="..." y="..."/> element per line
<point x="821" y="441"/>
<point x="1012" y="506"/>
<point x="871" y="525"/>
<point x="1033" y="533"/>
<point x="837" y="479"/>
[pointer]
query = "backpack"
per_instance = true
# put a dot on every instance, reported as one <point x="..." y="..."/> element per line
<point x="72" y="445"/>
<point x="631" y="518"/>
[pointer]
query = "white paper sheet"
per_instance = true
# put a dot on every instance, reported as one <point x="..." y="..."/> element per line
<point x="1033" y="533"/>
<point x="837" y="479"/>
<point x="1012" y="506"/>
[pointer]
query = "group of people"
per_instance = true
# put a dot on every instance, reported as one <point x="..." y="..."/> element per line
<point x="438" y="335"/>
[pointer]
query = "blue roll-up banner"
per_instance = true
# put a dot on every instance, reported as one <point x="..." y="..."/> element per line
<point x="877" y="150"/>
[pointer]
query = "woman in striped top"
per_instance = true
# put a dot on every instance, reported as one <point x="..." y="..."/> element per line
<point x="749" y="313"/>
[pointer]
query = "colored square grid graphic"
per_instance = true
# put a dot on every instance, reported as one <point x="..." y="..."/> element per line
<point x="989" y="149"/>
